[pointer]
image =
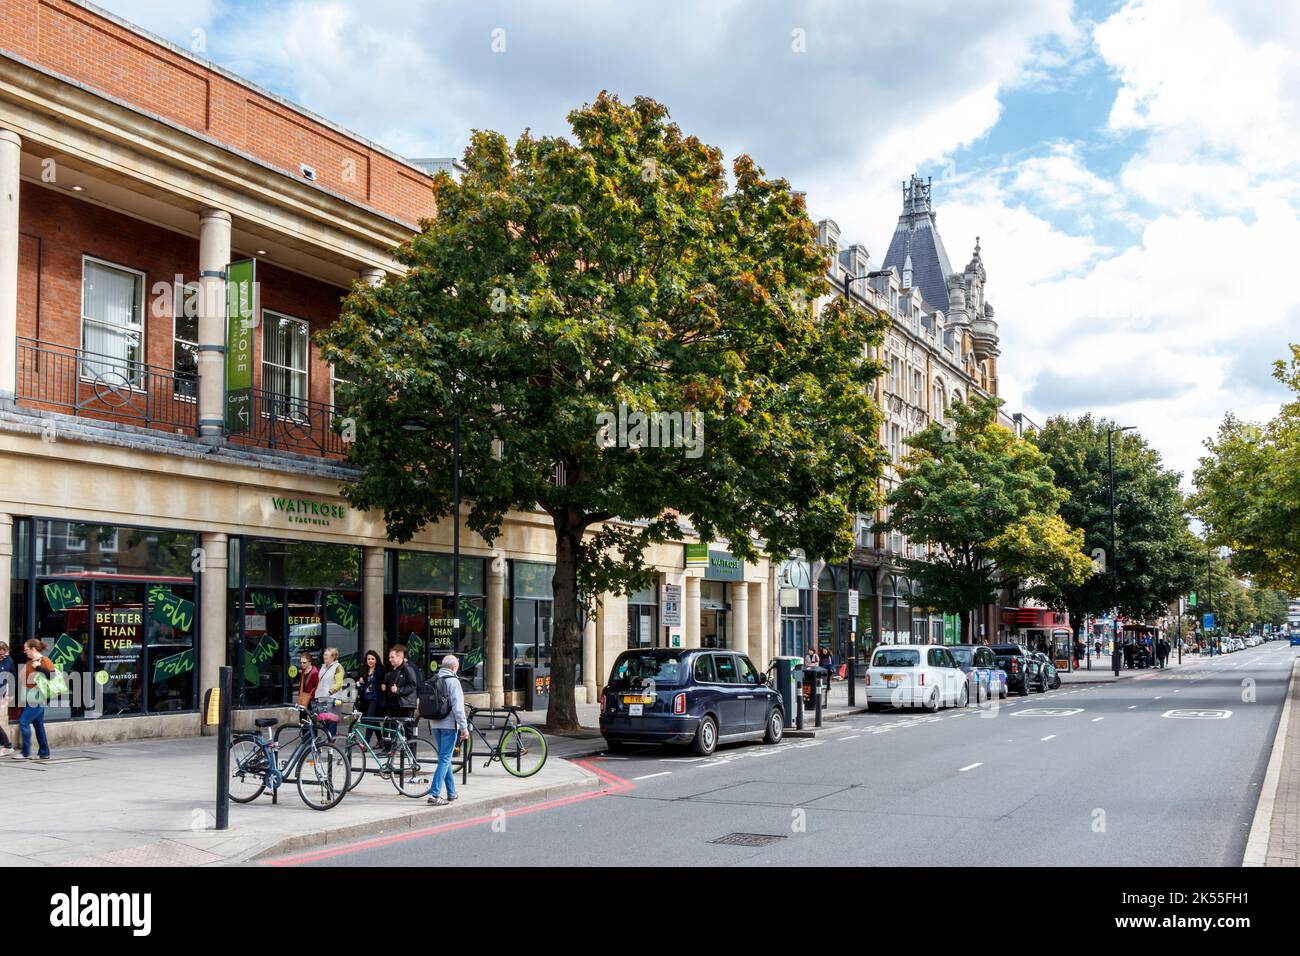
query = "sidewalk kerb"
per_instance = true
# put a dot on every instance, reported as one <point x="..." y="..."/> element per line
<point x="415" y="819"/>
<point x="1262" y="825"/>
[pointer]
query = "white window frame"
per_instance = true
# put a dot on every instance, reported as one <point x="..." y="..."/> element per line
<point x="178" y="306"/>
<point x="269" y="316"/>
<point x="335" y="379"/>
<point x="142" y="362"/>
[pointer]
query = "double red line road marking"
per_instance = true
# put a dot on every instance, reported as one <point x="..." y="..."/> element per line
<point x="612" y="785"/>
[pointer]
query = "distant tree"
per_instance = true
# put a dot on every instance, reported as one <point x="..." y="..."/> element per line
<point x="986" y="501"/>
<point x="1248" y="489"/>
<point x="565" y="280"/>
<point x="1156" y="555"/>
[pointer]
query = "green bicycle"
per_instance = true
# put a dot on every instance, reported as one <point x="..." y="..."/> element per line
<point x="408" y="762"/>
<point x="521" y="748"/>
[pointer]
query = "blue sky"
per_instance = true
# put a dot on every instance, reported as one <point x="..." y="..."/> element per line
<point x="1131" y="167"/>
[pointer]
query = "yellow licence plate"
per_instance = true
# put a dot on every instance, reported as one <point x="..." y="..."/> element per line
<point x="892" y="676"/>
<point x="633" y="699"/>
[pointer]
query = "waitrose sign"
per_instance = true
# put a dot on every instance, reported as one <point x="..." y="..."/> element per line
<point x="309" y="511"/>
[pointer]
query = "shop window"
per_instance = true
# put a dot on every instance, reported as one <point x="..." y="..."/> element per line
<point x="74" y="547"/>
<point x="185" y="356"/>
<point x="285" y="346"/>
<point x="112" y="322"/>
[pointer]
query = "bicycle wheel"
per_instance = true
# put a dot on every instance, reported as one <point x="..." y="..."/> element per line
<point x="247" y="769"/>
<point x="323" y="777"/>
<point x="523" y="751"/>
<point x="357" y="755"/>
<point x="412" y="763"/>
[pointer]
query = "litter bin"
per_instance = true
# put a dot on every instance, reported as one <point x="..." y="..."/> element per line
<point x="524" y="682"/>
<point x="814" y="682"/>
<point x="788" y="677"/>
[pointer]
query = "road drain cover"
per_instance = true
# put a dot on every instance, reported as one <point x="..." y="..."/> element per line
<point x="748" y="839"/>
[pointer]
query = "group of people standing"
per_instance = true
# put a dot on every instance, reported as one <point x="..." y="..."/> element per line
<point x="393" y="692"/>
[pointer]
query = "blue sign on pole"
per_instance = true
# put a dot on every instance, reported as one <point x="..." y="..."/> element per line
<point x="1207" y="621"/>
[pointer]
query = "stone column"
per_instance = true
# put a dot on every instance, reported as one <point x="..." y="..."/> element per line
<point x="372" y="598"/>
<point x="691" y="612"/>
<point x="6" y="569"/>
<point x="212" y="624"/>
<point x="611" y="632"/>
<point x="877" y="610"/>
<point x="739" y="616"/>
<point x="372" y="276"/>
<point x="496" y="610"/>
<point x="214" y="256"/>
<point x="10" y="155"/>
<point x="757" y="630"/>
<point x="591" y="679"/>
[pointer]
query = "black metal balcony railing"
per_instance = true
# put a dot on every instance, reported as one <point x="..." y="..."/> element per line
<point x="116" y="388"/>
<point x="294" y="424"/>
<point x="105" y="386"/>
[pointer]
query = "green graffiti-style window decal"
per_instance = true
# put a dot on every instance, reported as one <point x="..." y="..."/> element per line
<point x="60" y="595"/>
<point x="174" y="665"/>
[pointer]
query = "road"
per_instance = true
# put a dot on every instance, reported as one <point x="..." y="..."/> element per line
<point x="1095" y="775"/>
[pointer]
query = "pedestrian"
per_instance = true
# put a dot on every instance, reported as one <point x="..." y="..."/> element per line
<point x="308" y="678"/>
<point x="370" y="699"/>
<point x="8" y="694"/>
<point x="1164" y="653"/>
<point x="33" y="700"/>
<point x="401" y="684"/>
<point x="827" y="662"/>
<point x="1078" y="652"/>
<point x="447" y="729"/>
<point x="329" y="683"/>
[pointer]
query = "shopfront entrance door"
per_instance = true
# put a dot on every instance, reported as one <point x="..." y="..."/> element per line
<point x="713" y="628"/>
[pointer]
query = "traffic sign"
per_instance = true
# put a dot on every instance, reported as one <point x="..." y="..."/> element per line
<point x="1207" y="621"/>
<point x="1191" y="601"/>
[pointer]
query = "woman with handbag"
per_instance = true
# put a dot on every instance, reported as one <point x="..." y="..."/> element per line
<point x="33" y="700"/>
<point x="370" y="696"/>
<point x="308" y="678"/>
<point x="329" y="683"/>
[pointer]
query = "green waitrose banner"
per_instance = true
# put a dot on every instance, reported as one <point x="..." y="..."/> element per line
<point x="241" y="313"/>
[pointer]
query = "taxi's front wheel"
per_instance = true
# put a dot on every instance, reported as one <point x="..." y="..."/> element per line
<point x="775" y="727"/>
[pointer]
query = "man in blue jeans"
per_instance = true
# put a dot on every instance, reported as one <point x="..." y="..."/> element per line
<point x="446" y="730"/>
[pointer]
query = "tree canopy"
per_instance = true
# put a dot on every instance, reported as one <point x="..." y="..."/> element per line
<point x="1156" y="557"/>
<point x="565" y="281"/>
<point x="985" y="500"/>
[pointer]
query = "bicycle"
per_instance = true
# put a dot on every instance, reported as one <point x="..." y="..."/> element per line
<point x="408" y="762"/>
<point x="521" y="748"/>
<point x="319" y="769"/>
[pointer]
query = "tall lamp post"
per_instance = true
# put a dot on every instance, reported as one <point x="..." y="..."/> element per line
<point x="420" y="425"/>
<point x="851" y="671"/>
<point x="1114" y="580"/>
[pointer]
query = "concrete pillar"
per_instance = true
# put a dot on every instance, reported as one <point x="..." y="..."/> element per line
<point x="10" y="155"/>
<point x="758" y="650"/>
<point x="372" y="598"/>
<point x="691" y="612"/>
<point x="877" y="611"/>
<point x="212" y="623"/>
<point x="591" y="679"/>
<point x="496" y="611"/>
<point x="372" y="276"/>
<point x="740" y="617"/>
<point x="611" y="632"/>
<point x="6" y="569"/>
<point x="214" y="256"/>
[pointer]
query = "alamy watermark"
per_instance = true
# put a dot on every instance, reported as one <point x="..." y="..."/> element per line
<point x="636" y="429"/>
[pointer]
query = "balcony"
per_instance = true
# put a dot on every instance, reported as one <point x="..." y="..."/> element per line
<point x="102" y="387"/>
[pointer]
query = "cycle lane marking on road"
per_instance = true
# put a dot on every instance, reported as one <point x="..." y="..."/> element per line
<point x="971" y="766"/>
<point x="1048" y="737"/>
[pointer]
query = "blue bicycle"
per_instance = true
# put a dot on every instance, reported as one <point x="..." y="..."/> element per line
<point x="319" y="769"/>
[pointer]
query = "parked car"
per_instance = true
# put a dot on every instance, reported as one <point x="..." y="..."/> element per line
<point x="1022" y="668"/>
<point x="701" y="697"/>
<point x="1051" y="678"/>
<point x="982" y="670"/>
<point x="925" y="675"/>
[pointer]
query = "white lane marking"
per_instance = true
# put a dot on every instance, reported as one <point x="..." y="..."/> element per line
<point x="971" y="767"/>
<point x="1048" y="712"/>
<point x="1049" y="737"/>
<point x="1134" y="707"/>
<point x="651" y="776"/>
<point x="1095" y="719"/>
<point x="1198" y="714"/>
<point x="851" y="737"/>
<point x="1155" y="698"/>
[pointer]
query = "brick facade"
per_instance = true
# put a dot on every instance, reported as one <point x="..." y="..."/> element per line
<point x="79" y="44"/>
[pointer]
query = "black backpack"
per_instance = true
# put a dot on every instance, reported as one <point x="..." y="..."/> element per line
<point x="435" y="699"/>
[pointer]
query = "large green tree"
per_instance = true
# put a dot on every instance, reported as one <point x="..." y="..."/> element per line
<point x="1248" y="489"/>
<point x="566" y="278"/>
<point x="986" y="501"/>
<point x="1156" y="555"/>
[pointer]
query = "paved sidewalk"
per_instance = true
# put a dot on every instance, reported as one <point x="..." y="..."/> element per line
<point x="150" y="803"/>
<point x="1275" y="834"/>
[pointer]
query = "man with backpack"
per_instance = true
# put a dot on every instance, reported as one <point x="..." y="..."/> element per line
<point x="442" y="703"/>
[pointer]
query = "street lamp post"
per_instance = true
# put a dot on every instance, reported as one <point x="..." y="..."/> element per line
<point x="1113" y="562"/>
<point x="421" y="425"/>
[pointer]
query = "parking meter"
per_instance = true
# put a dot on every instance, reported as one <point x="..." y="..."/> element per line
<point x="789" y="684"/>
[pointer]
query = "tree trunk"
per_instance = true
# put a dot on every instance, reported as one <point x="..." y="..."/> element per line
<point x="566" y="652"/>
<point x="966" y="627"/>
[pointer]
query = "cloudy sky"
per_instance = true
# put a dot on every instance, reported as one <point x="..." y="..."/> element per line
<point x="1131" y="168"/>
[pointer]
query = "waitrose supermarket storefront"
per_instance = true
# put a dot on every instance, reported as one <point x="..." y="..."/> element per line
<point x="144" y="574"/>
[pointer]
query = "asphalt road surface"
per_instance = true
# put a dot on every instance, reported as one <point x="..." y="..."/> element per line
<point x="1163" y="769"/>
